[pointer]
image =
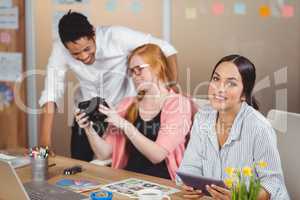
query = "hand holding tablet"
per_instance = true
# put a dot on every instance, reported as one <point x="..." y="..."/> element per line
<point x="199" y="182"/>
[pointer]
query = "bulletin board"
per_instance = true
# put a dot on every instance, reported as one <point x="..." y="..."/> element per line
<point x="13" y="131"/>
<point x="266" y="31"/>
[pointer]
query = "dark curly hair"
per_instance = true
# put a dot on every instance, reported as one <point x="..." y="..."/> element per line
<point x="73" y="25"/>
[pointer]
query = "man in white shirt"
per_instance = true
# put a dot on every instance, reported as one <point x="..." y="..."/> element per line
<point x="98" y="56"/>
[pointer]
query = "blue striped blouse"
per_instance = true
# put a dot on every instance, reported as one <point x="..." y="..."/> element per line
<point x="251" y="139"/>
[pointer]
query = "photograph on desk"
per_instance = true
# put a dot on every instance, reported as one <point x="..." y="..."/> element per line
<point x="130" y="187"/>
<point x="78" y="185"/>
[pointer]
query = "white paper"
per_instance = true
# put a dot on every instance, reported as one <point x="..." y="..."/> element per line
<point x="130" y="187"/>
<point x="5" y="3"/>
<point x="10" y="66"/>
<point x="16" y="162"/>
<point x="9" y="18"/>
<point x="6" y="157"/>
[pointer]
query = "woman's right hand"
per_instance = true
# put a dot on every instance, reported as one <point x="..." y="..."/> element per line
<point x="190" y="193"/>
<point x="82" y="119"/>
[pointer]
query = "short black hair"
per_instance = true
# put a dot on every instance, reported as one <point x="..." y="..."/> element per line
<point x="73" y="25"/>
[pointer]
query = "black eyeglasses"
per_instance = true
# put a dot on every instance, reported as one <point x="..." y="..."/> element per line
<point x="137" y="70"/>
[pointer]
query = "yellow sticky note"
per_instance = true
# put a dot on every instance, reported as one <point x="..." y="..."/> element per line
<point x="264" y="11"/>
<point x="190" y="13"/>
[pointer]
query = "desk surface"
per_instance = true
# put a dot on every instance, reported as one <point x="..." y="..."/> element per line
<point x="102" y="174"/>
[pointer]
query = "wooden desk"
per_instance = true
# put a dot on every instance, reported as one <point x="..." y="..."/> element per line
<point x="102" y="174"/>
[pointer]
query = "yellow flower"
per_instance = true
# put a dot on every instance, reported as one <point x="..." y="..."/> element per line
<point x="229" y="171"/>
<point x="247" y="171"/>
<point x="262" y="164"/>
<point x="228" y="182"/>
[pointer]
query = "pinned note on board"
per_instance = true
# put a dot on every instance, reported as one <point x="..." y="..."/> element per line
<point x="287" y="11"/>
<point x="264" y="11"/>
<point x="9" y="18"/>
<point x="218" y="8"/>
<point x="239" y="8"/>
<point x="5" y="37"/>
<point x="275" y="10"/>
<point x="6" y="3"/>
<point x="6" y="98"/>
<point x="10" y="66"/>
<point x="190" y="13"/>
<point x="136" y="6"/>
<point x="111" y="5"/>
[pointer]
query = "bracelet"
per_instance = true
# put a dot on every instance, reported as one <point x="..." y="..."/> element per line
<point x="101" y="195"/>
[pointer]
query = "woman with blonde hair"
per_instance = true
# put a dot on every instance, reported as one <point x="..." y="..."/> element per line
<point x="146" y="133"/>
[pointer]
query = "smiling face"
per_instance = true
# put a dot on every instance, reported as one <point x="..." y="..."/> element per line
<point x="226" y="88"/>
<point x="141" y="73"/>
<point x="83" y="49"/>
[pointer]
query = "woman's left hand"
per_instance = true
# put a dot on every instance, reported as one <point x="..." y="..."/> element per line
<point x="113" y="117"/>
<point x="219" y="193"/>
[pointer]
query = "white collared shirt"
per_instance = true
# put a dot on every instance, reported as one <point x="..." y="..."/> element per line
<point x="107" y="77"/>
<point x="251" y="139"/>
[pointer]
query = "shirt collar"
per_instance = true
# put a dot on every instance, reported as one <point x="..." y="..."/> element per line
<point x="236" y="128"/>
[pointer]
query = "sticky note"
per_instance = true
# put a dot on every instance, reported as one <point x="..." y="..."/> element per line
<point x="240" y="8"/>
<point x="287" y="11"/>
<point x="218" y="8"/>
<point x="275" y="10"/>
<point x="111" y="5"/>
<point x="190" y="13"/>
<point x="264" y="11"/>
<point x="5" y="37"/>
<point x="136" y="6"/>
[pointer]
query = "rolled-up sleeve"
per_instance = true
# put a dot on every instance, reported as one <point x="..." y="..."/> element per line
<point x="271" y="177"/>
<point x="130" y="39"/>
<point x="55" y="77"/>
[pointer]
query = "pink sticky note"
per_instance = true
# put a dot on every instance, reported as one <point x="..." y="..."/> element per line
<point x="287" y="11"/>
<point x="218" y="8"/>
<point x="5" y="37"/>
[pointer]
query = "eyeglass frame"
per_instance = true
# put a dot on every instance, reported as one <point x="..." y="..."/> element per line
<point x="137" y="70"/>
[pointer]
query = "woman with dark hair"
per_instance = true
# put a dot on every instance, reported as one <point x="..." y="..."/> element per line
<point x="230" y="132"/>
<point x="148" y="132"/>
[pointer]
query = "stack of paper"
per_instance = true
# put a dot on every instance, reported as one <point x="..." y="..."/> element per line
<point x="15" y="161"/>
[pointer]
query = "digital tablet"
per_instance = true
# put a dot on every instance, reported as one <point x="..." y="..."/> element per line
<point x="199" y="182"/>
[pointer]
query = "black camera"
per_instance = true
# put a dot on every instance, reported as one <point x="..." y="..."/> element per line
<point x="91" y="107"/>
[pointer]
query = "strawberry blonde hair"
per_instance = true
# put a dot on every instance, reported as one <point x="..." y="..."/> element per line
<point x="152" y="55"/>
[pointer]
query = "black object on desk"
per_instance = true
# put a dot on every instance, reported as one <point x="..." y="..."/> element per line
<point x="73" y="170"/>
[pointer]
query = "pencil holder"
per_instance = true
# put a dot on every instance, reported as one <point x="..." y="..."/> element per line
<point x="39" y="167"/>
